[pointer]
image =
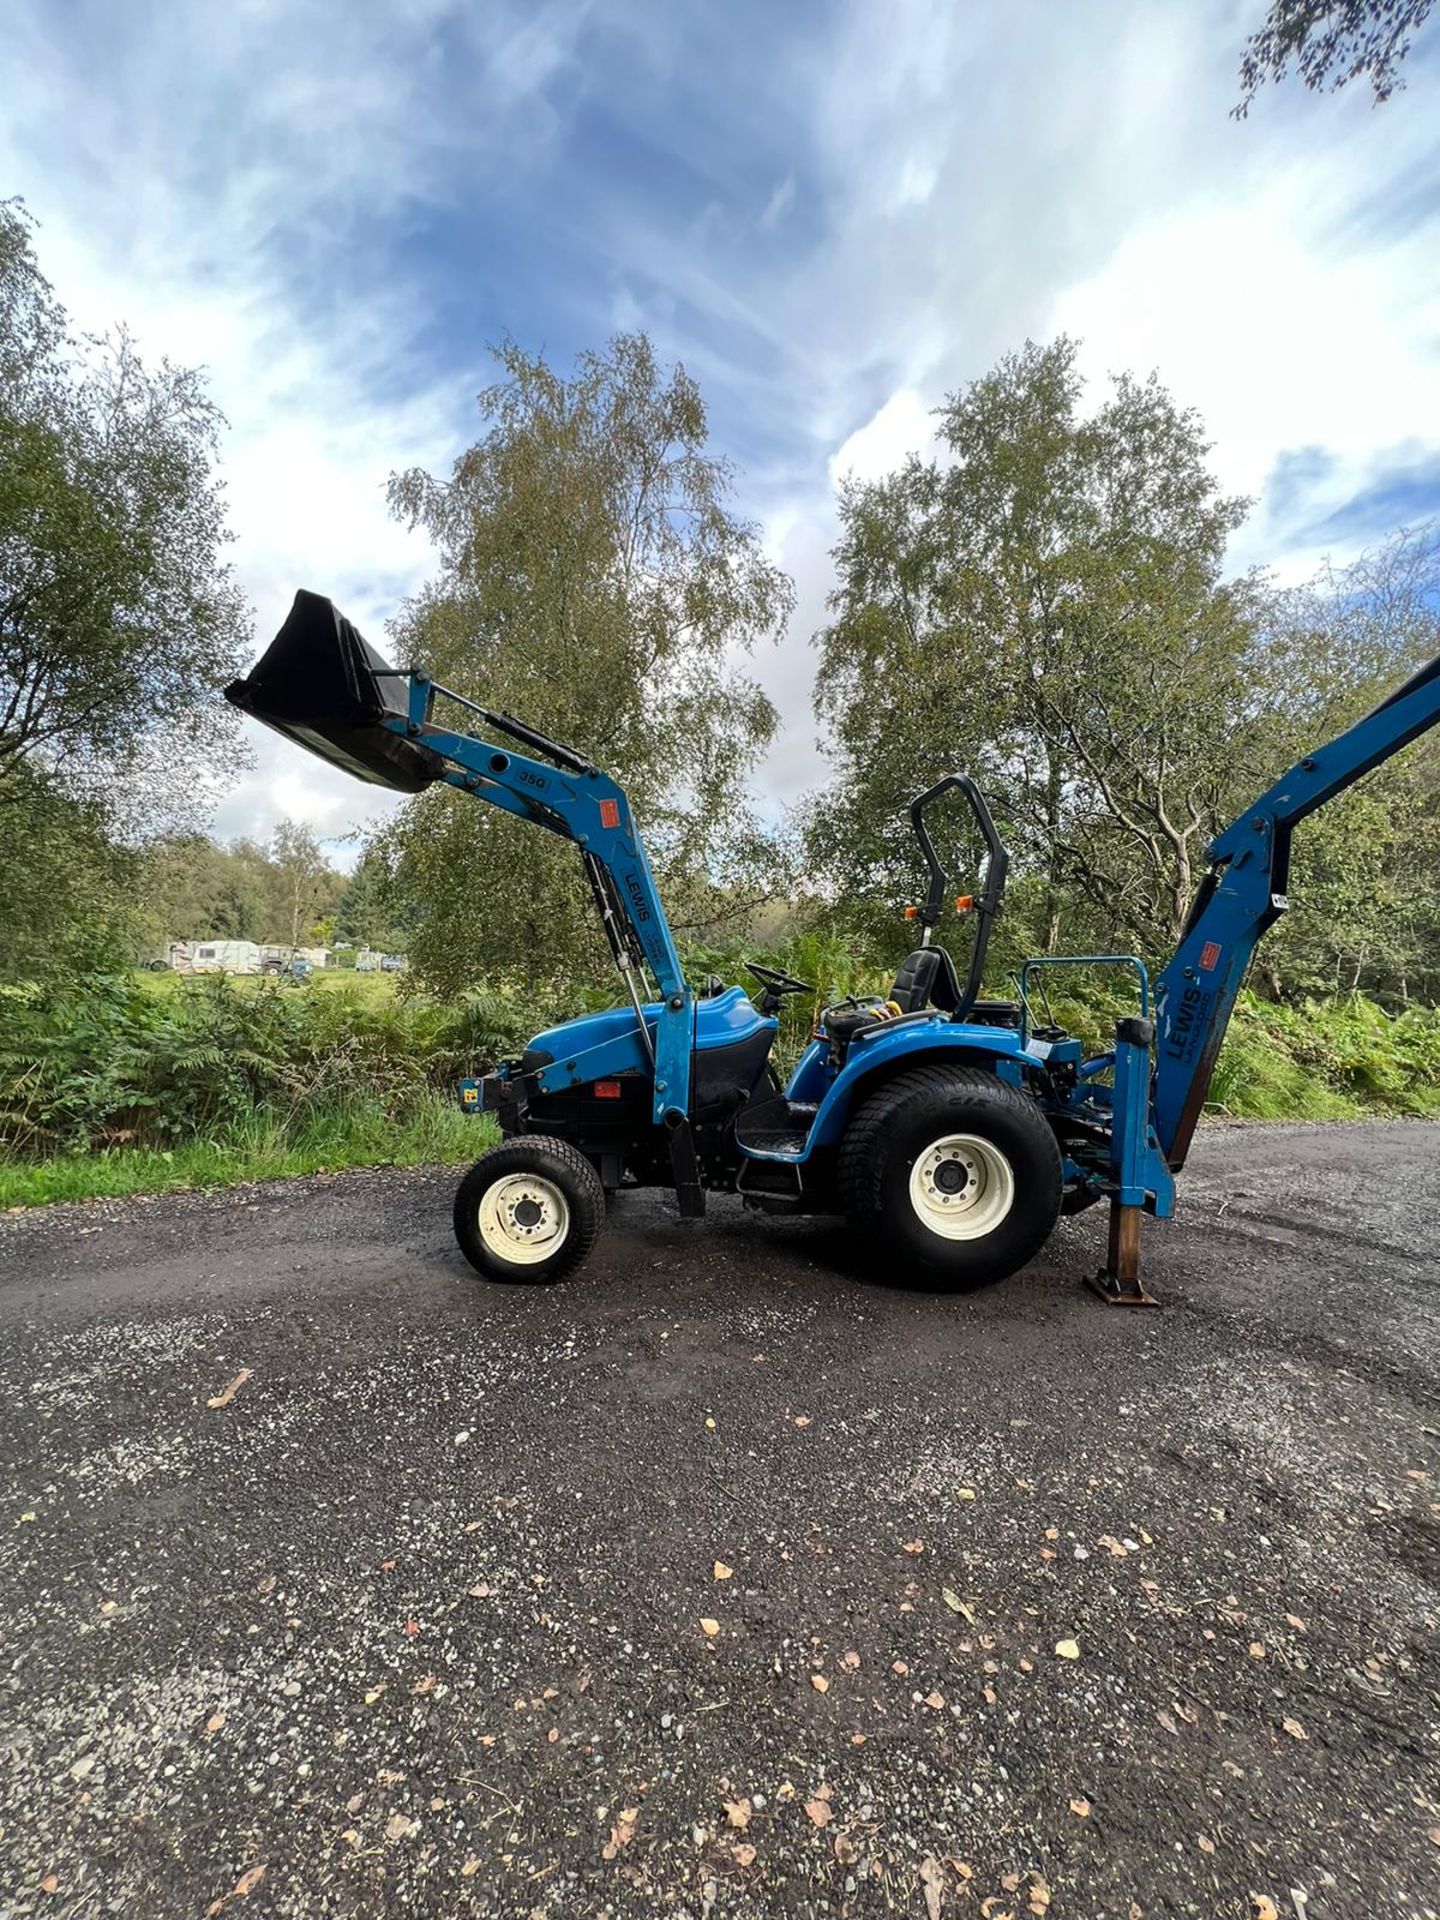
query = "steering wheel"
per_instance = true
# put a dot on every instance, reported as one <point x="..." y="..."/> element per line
<point x="777" y="985"/>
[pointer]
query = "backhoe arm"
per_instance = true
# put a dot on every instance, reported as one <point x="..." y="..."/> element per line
<point x="1244" y="892"/>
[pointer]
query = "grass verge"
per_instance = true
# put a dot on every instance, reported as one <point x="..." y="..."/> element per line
<point x="266" y="1146"/>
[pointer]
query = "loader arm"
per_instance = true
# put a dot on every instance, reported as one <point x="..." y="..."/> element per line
<point x="324" y="687"/>
<point x="585" y="806"/>
<point x="1244" y="892"/>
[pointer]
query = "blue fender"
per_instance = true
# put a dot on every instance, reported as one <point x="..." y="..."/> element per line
<point x="890" y="1047"/>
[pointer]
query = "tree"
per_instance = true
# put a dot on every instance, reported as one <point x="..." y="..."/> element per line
<point x="119" y="621"/>
<point x="305" y="886"/>
<point x="594" y="580"/>
<point x="1364" y="906"/>
<point x="370" y="912"/>
<point x="70" y="890"/>
<point x="193" y="888"/>
<point x="1331" y="43"/>
<point x="196" y="889"/>
<point x="1045" y="604"/>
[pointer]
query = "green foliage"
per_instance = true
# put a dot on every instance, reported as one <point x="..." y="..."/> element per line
<point x="119" y="621"/>
<point x="1044" y="606"/>
<point x="356" y="1132"/>
<point x="109" y="1060"/>
<point x="196" y="889"/>
<point x="286" y="893"/>
<point x="1331" y="42"/>
<point x="1327" y="1060"/>
<point x="135" y="1085"/>
<point x="371" y="912"/>
<point x="69" y="889"/>
<point x="594" y="581"/>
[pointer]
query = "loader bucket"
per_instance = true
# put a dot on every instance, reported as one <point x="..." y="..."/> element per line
<point x="321" y="684"/>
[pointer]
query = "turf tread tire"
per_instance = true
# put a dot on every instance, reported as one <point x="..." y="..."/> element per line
<point x="874" y="1174"/>
<point x="555" y="1160"/>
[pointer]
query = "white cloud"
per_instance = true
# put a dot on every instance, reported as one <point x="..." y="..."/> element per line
<point x="194" y="179"/>
<point x="894" y="431"/>
<point x="933" y="184"/>
<point x="779" y="203"/>
<point x="1086" y="177"/>
<point x="1282" y="343"/>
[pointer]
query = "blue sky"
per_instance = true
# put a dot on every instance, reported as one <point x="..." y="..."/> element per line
<point x="833" y="213"/>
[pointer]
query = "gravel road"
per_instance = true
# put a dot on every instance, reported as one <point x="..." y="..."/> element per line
<point x="723" y="1579"/>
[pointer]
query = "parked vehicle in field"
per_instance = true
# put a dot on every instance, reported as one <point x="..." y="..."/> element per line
<point x="173" y="956"/>
<point x="225" y="956"/>
<point x="951" y="1129"/>
<point x="292" y="966"/>
<point x="393" y="963"/>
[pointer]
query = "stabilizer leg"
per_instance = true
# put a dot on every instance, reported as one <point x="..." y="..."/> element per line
<point x="1118" y="1283"/>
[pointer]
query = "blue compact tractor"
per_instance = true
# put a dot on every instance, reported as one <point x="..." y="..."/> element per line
<point x="951" y="1130"/>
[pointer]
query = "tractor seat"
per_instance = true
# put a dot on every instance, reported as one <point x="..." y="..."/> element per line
<point x="926" y="979"/>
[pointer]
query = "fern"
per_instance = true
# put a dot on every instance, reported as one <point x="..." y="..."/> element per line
<point x="213" y="1062"/>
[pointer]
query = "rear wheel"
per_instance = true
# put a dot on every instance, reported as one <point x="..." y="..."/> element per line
<point x="951" y="1177"/>
<point x="529" y="1210"/>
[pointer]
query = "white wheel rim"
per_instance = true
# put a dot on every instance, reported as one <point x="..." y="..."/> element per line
<point x="524" y="1219"/>
<point x="962" y="1187"/>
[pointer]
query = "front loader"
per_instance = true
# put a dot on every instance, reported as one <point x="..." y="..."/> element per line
<point x="950" y="1129"/>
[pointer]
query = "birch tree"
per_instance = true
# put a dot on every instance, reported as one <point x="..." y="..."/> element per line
<point x="595" y="579"/>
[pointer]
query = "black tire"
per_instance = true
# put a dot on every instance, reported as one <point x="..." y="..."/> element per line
<point x="563" y="1171"/>
<point x="899" y="1125"/>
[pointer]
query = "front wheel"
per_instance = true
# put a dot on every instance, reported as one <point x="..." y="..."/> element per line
<point x="529" y="1210"/>
<point x="951" y="1177"/>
